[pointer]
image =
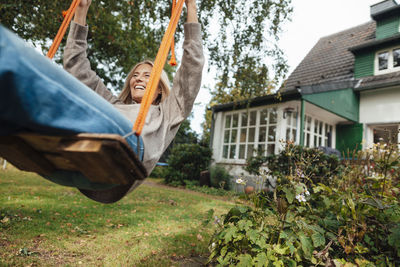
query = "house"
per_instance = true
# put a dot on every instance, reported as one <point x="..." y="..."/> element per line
<point x="345" y="94"/>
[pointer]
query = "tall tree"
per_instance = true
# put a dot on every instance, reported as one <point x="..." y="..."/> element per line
<point x="245" y="52"/>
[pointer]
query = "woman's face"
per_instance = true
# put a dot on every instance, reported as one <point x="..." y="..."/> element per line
<point x="139" y="81"/>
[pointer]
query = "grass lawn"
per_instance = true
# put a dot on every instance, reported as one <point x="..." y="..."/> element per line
<point x="44" y="224"/>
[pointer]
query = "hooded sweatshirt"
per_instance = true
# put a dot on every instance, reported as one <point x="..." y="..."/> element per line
<point x="163" y="120"/>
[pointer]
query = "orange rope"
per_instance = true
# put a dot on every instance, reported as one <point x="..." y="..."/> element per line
<point x="61" y="32"/>
<point x="172" y="60"/>
<point x="152" y="85"/>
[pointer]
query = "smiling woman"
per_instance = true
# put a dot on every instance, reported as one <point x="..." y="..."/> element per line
<point x="168" y="110"/>
<point x="135" y="84"/>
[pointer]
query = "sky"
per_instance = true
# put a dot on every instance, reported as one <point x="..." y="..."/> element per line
<point x="311" y="20"/>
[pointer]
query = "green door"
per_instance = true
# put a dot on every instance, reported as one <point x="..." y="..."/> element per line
<point x="349" y="138"/>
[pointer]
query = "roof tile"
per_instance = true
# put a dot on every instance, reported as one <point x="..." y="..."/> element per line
<point x="330" y="60"/>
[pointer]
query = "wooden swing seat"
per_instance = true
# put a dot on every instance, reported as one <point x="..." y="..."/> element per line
<point x="102" y="158"/>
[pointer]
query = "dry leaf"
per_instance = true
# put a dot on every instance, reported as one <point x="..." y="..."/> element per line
<point x="5" y="220"/>
<point x="199" y="237"/>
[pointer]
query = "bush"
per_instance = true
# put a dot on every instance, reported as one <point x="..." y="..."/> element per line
<point x="220" y="178"/>
<point x="210" y="190"/>
<point x="185" y="162"/>
<point x="312" y="162"/>
<point x="158" y="172"/>
<point x="349" y="218"/>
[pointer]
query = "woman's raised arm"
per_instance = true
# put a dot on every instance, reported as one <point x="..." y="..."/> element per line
<point x="81" y="12"/>
<point x="191" y="11"/>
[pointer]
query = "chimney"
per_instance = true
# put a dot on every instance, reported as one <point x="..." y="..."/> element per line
<point x="382" y="7"/>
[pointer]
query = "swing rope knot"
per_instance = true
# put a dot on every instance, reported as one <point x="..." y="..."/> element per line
<point x="172" y="61"/>
<point x="64" y="13"/>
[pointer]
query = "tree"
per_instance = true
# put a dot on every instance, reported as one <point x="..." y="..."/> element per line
<point x="245" y="52"/>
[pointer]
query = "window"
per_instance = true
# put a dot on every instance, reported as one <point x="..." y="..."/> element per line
<point x="267" y="131"/>
<point x="328" y="135"/>
<point x="230" y="135"/>
<point x="291" y="126"/>
<point x="246" y="131"/>
<point x="307" y="131"/>
<point x="396" y="57"/>
<point x="317" y="133"/>
<point x="383" y="60"/>
<point x="387" y="61"/>
<point x="387" y="134"/>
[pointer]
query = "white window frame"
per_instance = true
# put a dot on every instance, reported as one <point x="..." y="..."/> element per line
<point x="390" y="61"/>
<point x="319" y="135"/>
<point x="290" y="118"/>
<point x="257" y="128"/>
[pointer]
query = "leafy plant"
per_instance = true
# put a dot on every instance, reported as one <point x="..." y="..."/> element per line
<point x="220" y="178"/>
<point x="319" y="213"/>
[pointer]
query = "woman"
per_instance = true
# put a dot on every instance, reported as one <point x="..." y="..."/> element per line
<point x="40" y="98"/>
<point x="169" y="109"/>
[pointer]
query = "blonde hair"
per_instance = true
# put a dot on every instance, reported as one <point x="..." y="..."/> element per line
<point x="164" y="85"/>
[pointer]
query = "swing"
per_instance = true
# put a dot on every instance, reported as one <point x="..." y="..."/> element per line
<point x="103" y="164"/>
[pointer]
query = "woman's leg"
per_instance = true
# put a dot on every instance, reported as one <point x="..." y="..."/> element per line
<point x="36" y="95"/>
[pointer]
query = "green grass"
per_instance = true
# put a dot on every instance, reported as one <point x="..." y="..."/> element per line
<point x="44" y="224"/>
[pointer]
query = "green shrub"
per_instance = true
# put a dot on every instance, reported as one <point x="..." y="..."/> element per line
<point x="210" y="190"/>
<point x="350" y="217"/>
<point x="220" y="178"/>
<point x="185" y="162"/>
<point x="310" y="161"/>
<point x="191" y="183"/>
<point x="158" y="172"/>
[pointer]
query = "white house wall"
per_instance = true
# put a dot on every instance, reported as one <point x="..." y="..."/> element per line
<point x="381" y="106"/>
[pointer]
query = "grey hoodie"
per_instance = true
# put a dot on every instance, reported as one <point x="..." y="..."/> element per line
<point x="163" y="120"/>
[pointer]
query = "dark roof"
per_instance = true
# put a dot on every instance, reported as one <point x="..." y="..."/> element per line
<point x="259" y="101"/>
<point x="376" y="43"/>
<point x="384" y="9"/>
<point x="330" y="59"/>
<point x="378" y="81"/>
